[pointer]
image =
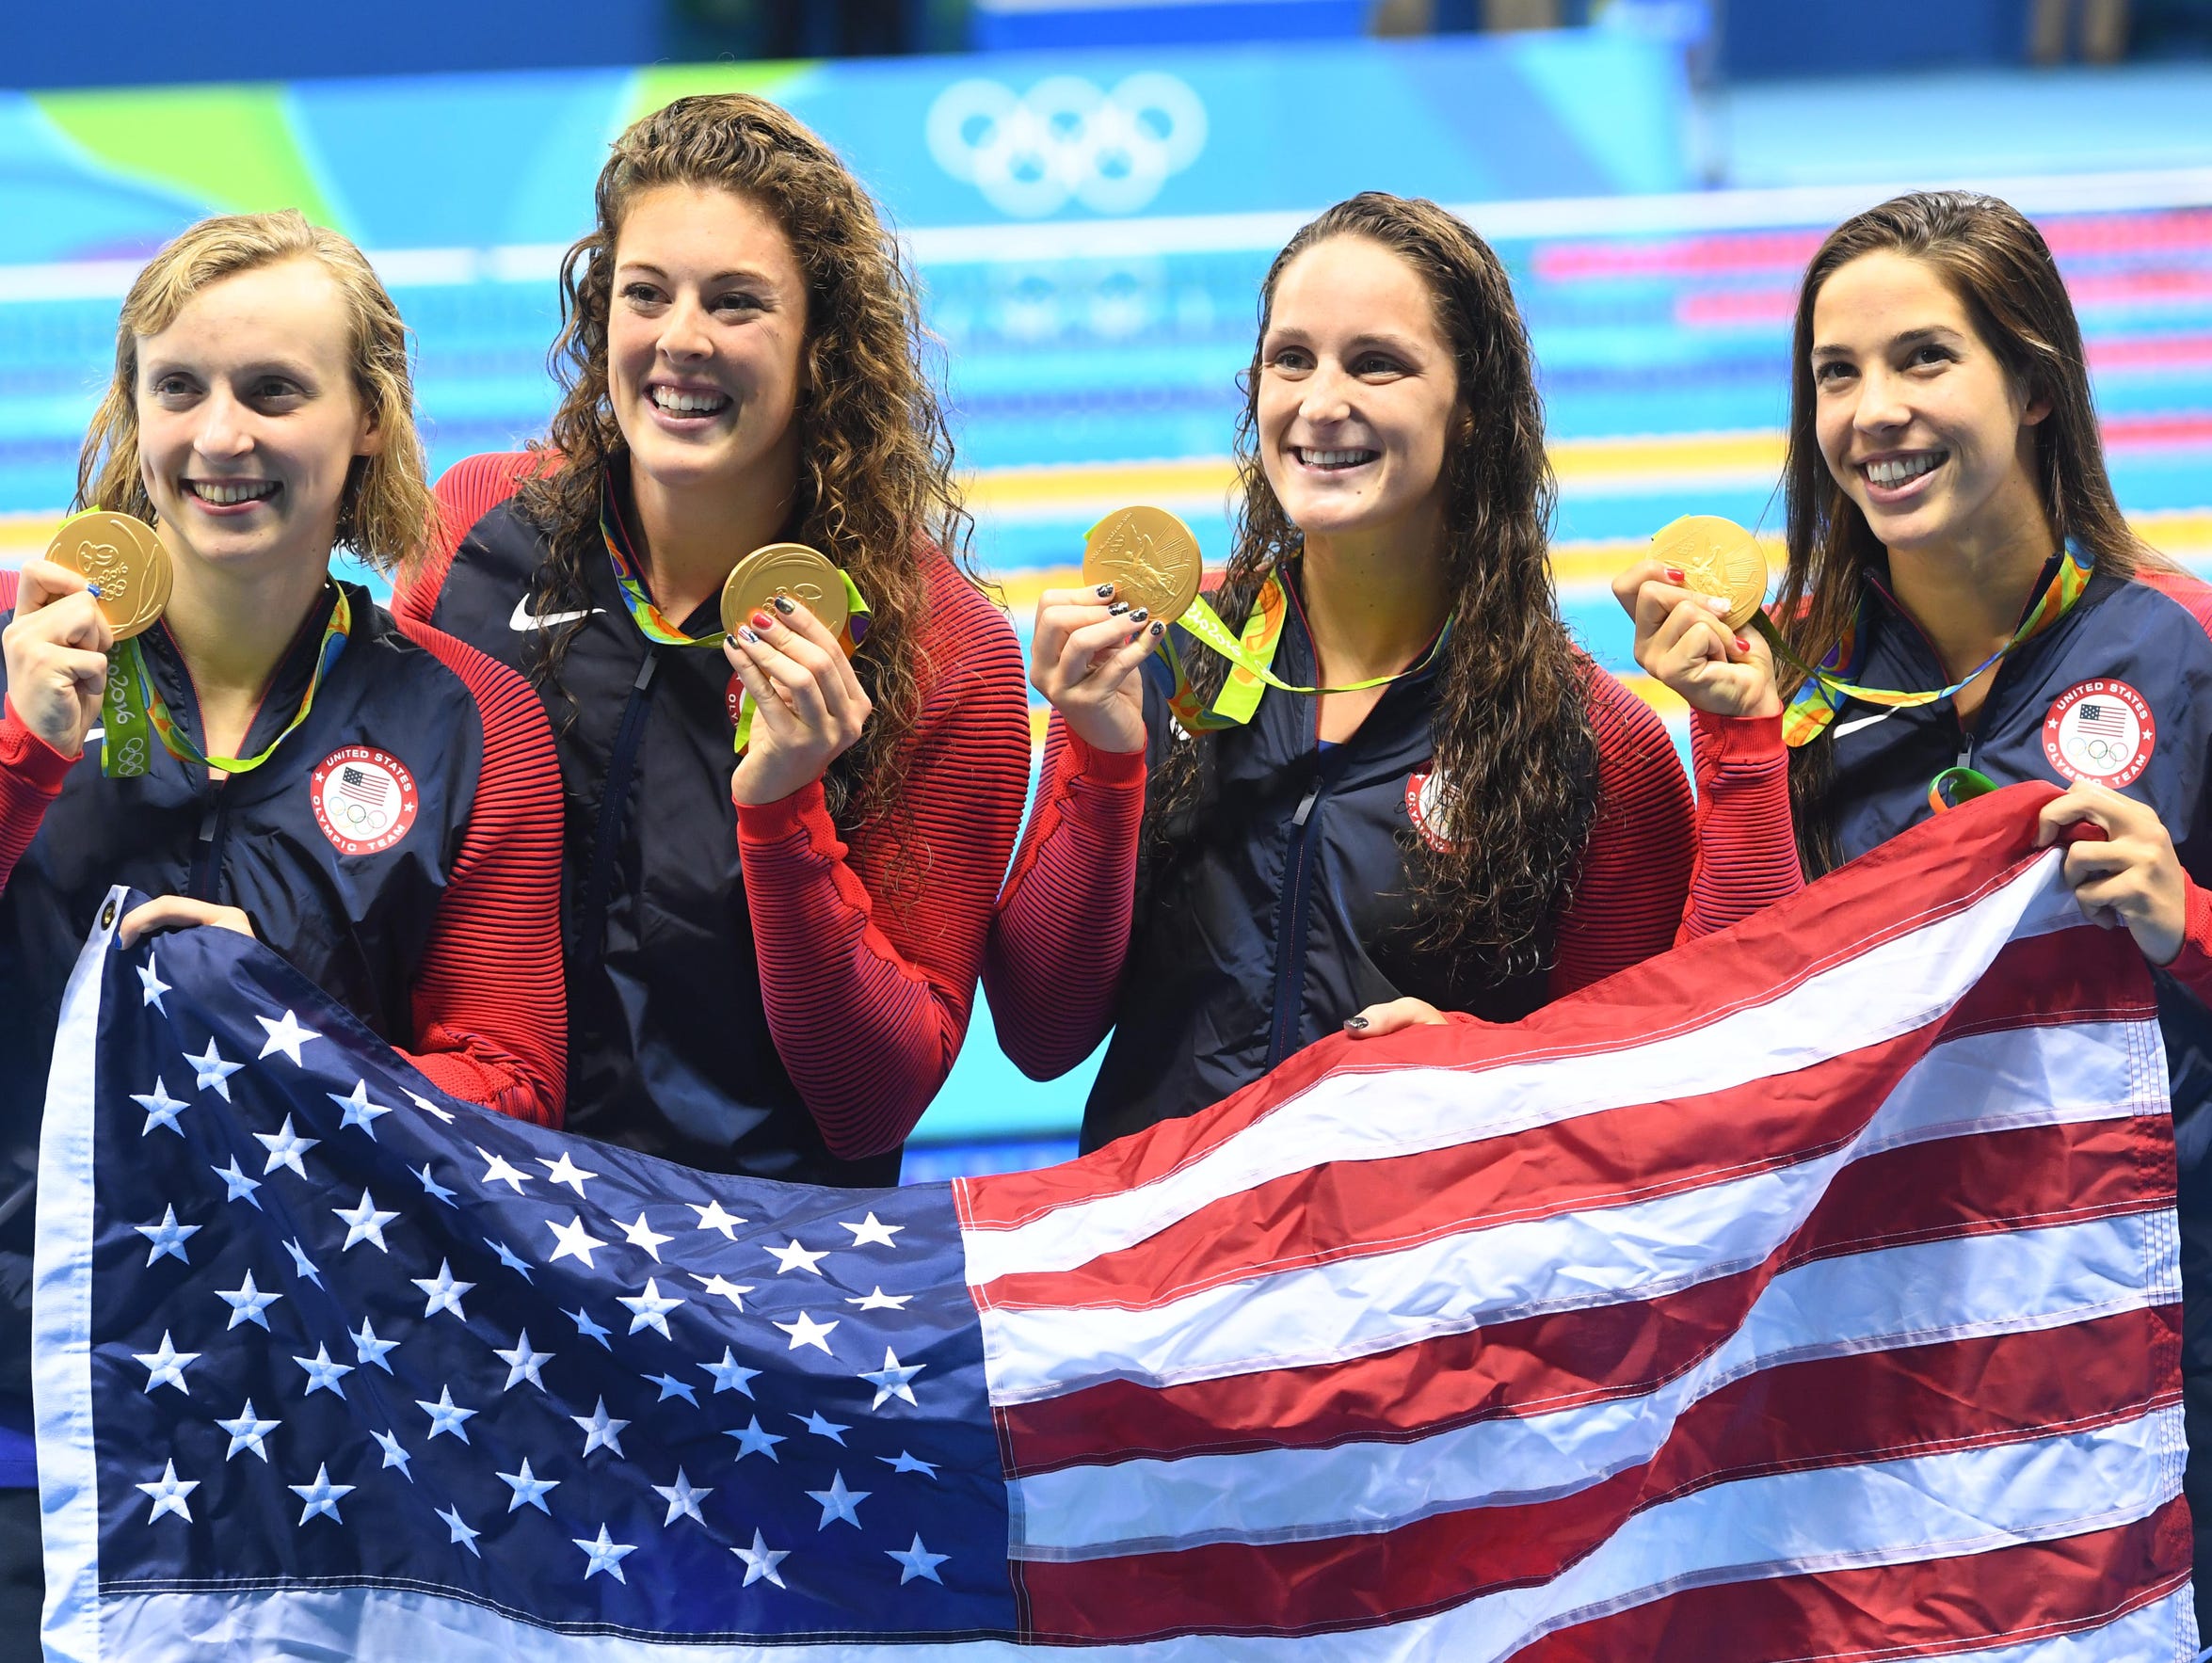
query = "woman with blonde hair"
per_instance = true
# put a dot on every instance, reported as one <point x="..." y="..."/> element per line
<point x="278" y="755"/>
<point x="771" y="955"/>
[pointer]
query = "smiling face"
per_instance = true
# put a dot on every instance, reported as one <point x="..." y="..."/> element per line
<point x="249" y="420"/>
<point x="1358" y="394"/>
<point x="706" y="340"/>
<point x="1919" y="420"/>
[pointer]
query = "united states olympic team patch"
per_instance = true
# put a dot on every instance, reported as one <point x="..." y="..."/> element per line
<point x="364" y="799"/>
<point x="2101" y="731"/>
<point x="1424" y="806"/>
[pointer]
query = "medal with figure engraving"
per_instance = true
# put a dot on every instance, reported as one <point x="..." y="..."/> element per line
<point x="1716" y="556"/>
<point x="1150" y="558"/>
<point x="124" y="561"/>
<point x="790" y="569"/>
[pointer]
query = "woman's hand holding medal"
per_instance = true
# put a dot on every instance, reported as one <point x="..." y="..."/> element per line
<point x="1084" y="656"/>
<point x="1694" y="600"/>
<point x="56" y="649"/>
<point x="808" y="708"/>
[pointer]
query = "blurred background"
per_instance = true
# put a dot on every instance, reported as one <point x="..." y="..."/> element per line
<point x="1091" y="193"/>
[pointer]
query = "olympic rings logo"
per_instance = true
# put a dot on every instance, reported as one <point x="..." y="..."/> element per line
<point x="1064" y="140"/>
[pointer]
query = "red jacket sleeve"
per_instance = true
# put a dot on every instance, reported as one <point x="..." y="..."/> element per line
<point x="1746" y="843"/>
<point x="31" y="773"/>
<point x="1627" y="899"/>
<point x="489" y="1008"/>
<point x="1062" y="928"/>
<point x="467" y="491"/>
<point x="869" y="950"/>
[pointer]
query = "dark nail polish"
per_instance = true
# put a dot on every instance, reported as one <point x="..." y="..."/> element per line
<point x="1117" y="609"/>
<point x="1104" y="590"/>
<point x="762" y="622"/>
<point x="1140" y="614"/>
<point x="748" y="637"/>
<point x="785" y="605"/>
<point x="729" y="640"/>
<point x="1355" y="1022"/>
<point x="1159" y="629"/>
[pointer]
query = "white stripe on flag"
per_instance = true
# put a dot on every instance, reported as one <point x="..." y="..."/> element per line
<point x="1358" y="1307"/>
<point x="1969" y="1287"/>
<point x="1889" y="990"/>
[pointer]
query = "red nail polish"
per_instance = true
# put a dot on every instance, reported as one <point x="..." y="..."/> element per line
<point x="762" y="622"/>
<point x="1741" y="644"/>
<point x="1674" y="574"/>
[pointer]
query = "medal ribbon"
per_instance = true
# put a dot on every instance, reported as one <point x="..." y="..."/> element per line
<point x="133" y="704"/>
<point x="1827" y="687"/>
<point x="1252" y="655"/>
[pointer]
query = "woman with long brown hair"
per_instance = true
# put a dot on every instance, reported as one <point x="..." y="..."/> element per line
<point x="1960" y="570"/>
<point x="772" y="955"/>
<point x="1479" y="820"/>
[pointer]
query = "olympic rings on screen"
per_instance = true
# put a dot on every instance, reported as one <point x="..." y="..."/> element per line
<point x="1064" y="140"/>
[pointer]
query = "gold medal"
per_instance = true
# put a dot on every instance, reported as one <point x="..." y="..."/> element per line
<point x="124" y="561"/>
<point x="790" y="569"/>
<point x="1716" y="556"/>
<point x="1150" y="558"/>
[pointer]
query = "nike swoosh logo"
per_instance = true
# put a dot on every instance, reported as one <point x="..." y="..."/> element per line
<point x="1858" y="722"/>
<point x="525" y="620"/>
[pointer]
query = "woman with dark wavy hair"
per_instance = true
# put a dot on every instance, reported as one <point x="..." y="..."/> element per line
<point x="772" y="956"/>
<point x="1492" y="823"/>
<point x="1959" y="569"/>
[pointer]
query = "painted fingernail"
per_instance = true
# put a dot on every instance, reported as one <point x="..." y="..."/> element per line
<point x="1117" y="609"/>
<point x="1140" y="614"/>
<point x="1355" y="1022"/>
<point x="1104" y="590"/>
<point x="1741" y="644"/>
<point x="1720" y="603"/>
<point x="93" y="590"/>
<point x="1159" y="629"/>
<point x="784" y="605"/>
<point x="762" y="622"/>
<point x="747" y="637"/>
<point x="1674" y="574"/>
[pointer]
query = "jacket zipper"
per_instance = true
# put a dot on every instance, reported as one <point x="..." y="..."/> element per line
<point x="1290" y="925"/>
<point x="613" y="807"/>
<point x="207" y="855"/>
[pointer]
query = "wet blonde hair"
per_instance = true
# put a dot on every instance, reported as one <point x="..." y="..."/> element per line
<point x="386" y="509"/>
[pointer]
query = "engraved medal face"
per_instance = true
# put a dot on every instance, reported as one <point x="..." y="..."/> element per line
<point x="1716" y="557"/>
<point x="1150" y="558"/>
<point x="791" y="570"/>
<point x="124" y="560"/>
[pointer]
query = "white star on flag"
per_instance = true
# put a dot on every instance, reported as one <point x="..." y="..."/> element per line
<point x="712" y="1216"/>
<point x="891" y="1380"/>
<point x="807" y="1332"/>
<point x="839" y="1502"/>
<point x="249" y="1431"/>
<point x="732" y="1291"/>
<point x="169" y="1493"/>
<point x="508" y="1258"/>
<point x="285" y="1147"/>
<point x="169" y="1237"/>
<point x="359" y="1110"/>
<point x="796" y="1257"/>
<point x="363" y="1223"/>
<point x="650" y="1309"/>
<point x="574" y="1241"/>
<point x="565" y="1171"/>
<point x="918" y="1561"/>
<point x="247" y="1304"/>
<point x="529" y="1489"/>
<point x="671" y="1387"/>
<point x="461" y="1533"/>
<point x="446" y="1415"/>
<point x="683" y="1498"/>
<point x="876" y="1300"/>
<point x="286" y="1036"/>
<point x="761" y="1562"/>
<point x="430" y="1185"/>
<point x="868" y="1231"/>
<point x="301" y="1265"/>
<point x="643" y="1235"/>
<point x="394" y="1455"/>
<point x="369" y="1349"/>
<point x="443" y="1292"/>
<point x="237" y="1185"/>
<point x="324" y="1375"/>
<point x="522" y="1363"/>
<point x="161" y="1109"/>
<point x="602" y="1430"/>
<point x="497" y="1171"/>
<point x="167" y="1366"/>
<point x="321" y="1497"/>
<point x="607" y="1554"/>
<point x="210" y="1070"/>
<point x="820" y="1425"/>
<point x="427" y="1107"/>
<point x="730" y="1375"/>
<point x="587" y="1327"/>
<point x="903" y="1463"/>
<point x="151" y="986"/>
<point x="751" y="1440"/>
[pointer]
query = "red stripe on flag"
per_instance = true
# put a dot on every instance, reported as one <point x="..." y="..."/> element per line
<point x="1930" y="871"/>
<point x="1357" y="1208"/>
<point x="1826" y="1412"/>
<point x="2040" y="1175"/>
<point x="2034" y="1590"/>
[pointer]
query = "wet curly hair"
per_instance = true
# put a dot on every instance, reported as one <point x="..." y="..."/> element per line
<point x="875" y="488"/>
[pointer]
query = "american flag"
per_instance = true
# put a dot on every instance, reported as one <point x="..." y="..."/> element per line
<point x="361" y="788"/>
<point x="2107" y="720"/>
<point x="1811" y="1293"/>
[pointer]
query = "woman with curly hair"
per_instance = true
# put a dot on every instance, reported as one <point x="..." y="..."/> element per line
<point x="1469" y="814"/>
<point x="771" y="955"/>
